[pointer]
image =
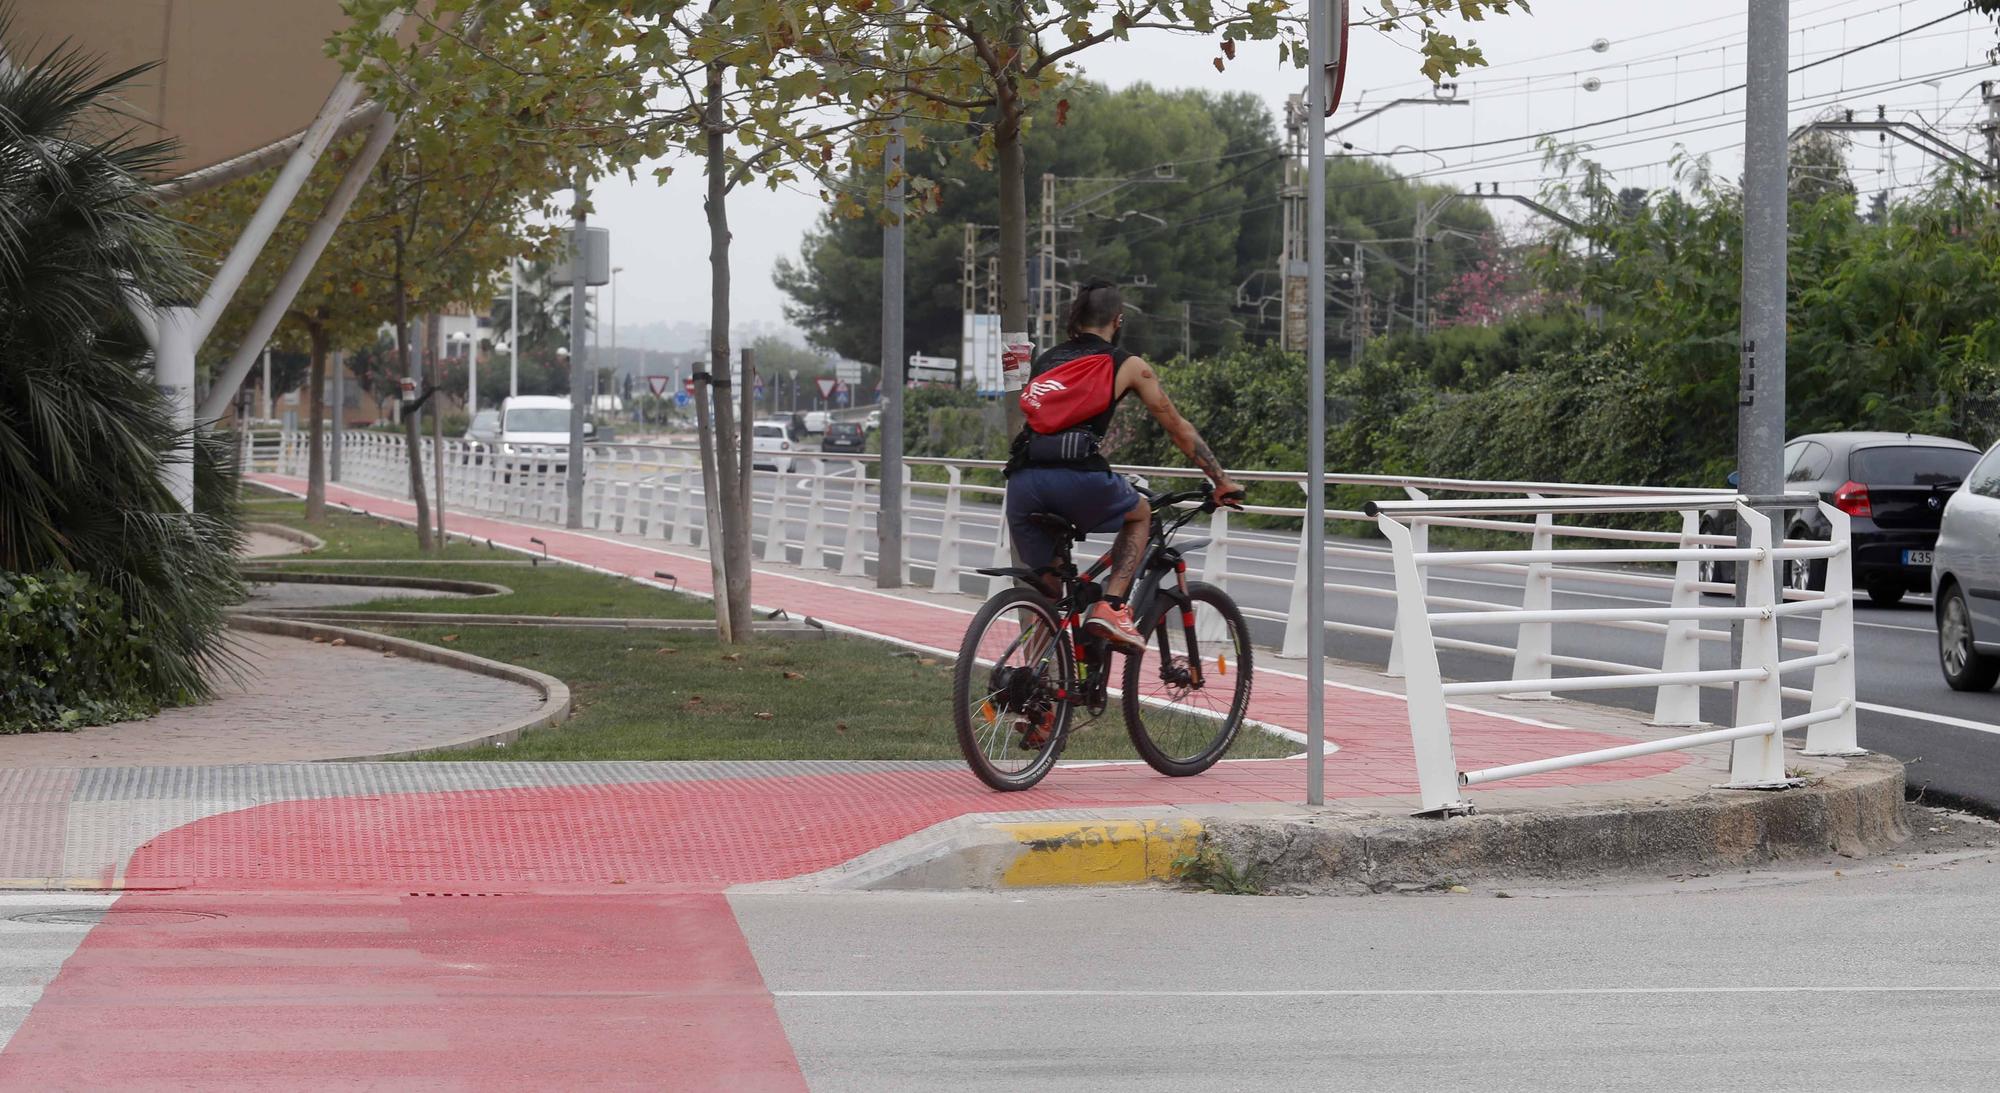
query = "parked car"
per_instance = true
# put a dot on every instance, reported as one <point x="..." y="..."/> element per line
<point x="772" y="445"/>
<point x="874" y="421"/>
<point x="1893" y="487"/>
<point x="817" y="420"/>
<point x="1965" y="580"/>
<point x="844" y="436"/>
<point x="484" y="427"/>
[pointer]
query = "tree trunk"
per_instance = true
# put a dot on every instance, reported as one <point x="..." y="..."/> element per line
<point x="735" y="517"/>
<point x="411" y="444"/>
<point x="434" y="334"/>
<point x="316" y="433"/>
<point x="1013" y="160"/>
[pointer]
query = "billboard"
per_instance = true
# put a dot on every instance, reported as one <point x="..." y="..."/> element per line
<point x="979" y="348"/>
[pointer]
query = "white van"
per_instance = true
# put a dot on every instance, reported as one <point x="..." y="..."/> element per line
<point x="537" y="425"/>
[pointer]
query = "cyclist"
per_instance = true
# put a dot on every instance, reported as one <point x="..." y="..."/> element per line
<point x="1054" y="466"/>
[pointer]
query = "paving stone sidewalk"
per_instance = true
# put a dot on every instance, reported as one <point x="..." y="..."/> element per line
<point x="298" y="701"/>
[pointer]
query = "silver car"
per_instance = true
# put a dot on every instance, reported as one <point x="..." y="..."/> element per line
<point x="1965" y="579"/>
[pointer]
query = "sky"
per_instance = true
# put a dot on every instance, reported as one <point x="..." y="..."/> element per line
<point x="1640" y="56"/>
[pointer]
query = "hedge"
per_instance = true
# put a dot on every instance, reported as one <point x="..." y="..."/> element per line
<point x="69" y="657"/>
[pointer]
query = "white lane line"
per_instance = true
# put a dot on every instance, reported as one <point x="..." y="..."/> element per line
<point x="1934" y="718"/>
<point x="1417" y="992"/>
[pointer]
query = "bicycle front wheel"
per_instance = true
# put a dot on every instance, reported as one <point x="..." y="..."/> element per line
<point x="1186" y="696"/>
<point x="1010" y="690"/>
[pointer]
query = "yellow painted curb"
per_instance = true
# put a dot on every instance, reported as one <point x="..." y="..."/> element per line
<point x="1107" y="852"/>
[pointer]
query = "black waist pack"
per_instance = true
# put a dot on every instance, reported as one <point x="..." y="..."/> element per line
<point x="1068" y="446"/>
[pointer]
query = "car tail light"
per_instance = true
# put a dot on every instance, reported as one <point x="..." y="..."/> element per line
<point x="1852" y="499"/>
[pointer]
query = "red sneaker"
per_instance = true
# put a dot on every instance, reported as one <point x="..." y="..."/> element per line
<point x="1114" y="624"/>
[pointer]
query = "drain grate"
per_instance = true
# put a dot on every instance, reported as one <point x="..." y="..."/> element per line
<point x="112" y="916"/>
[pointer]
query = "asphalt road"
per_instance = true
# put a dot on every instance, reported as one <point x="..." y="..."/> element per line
<point x="1950" y="740"/>
<point x="1875" y="977"/>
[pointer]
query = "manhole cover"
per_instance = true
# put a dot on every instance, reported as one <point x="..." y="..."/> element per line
<point x="112" y="916"/>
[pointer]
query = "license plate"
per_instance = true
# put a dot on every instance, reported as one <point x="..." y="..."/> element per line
<point x="1916" y="557"/>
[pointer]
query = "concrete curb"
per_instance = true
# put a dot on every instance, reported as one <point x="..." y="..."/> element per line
<point x="427" y="618"/>
<point x="288" y="533"/>
<point x="369" y="580"/>
<point x="1855" y="811"/>
<point x="555" y="694"/>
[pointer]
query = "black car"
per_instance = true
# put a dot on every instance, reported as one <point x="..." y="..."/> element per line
<point x="844" y="436"/>
<point x="1893" y="488"/>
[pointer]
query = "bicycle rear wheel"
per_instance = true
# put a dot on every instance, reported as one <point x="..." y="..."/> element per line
<point x="1010" y="690"/>
<point x="1186" y="696"/>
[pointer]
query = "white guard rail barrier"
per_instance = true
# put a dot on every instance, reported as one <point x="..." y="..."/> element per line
<point x="820" y="513"/>
<point x="1756" y="736"/>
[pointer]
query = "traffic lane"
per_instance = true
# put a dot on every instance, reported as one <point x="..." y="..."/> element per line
<point x="1595" y="988"/>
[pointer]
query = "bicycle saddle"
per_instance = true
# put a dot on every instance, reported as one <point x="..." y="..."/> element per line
<point x="1058" y="526"/>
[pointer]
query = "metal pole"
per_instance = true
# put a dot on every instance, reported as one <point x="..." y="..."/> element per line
<point x="264" y="400"/>
<point x="579" y="365"/>
<point x="513" y="327"/>
<point x="1315" y="537"/>
<point x="1760" y="417"/>
<point x="889" y="517"/>
<point x="616" y="367"/>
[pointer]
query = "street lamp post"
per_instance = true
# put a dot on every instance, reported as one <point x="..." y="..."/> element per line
<point x="513" y="327"/>
<point x="616" y="366"/>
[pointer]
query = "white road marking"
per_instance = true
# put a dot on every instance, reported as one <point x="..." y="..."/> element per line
<point x="1934" y="718"/>
<point x="1413" y="992"/>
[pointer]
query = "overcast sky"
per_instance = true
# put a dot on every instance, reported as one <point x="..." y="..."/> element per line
<point x="1539" y="68"/>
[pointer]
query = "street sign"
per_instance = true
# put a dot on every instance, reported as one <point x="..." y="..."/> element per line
<point x="658" y="384"/>
<point x="683" y="398"/>
<point x="849" y="372"/>
<point x="687" y="385"/>
<point x="826" y="386"/>
<point x="933" y="369"/>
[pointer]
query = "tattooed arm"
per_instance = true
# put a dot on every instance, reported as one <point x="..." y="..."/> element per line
<point x="1136" y="375"/>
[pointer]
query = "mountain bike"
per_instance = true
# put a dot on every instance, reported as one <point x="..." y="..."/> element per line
<point x="1029" y="674"/>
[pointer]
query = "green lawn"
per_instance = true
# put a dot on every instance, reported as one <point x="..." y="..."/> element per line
<point x="548" y="589"/>
<point x="676" y="695"/>
<point x="655" y="696"/>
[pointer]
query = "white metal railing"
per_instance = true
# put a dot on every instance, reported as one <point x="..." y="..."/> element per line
<point x="1759" y="724"/>
<point x="821" y="514"/>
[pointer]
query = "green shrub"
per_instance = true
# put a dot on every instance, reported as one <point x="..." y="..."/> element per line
<point x="69" y="655"/>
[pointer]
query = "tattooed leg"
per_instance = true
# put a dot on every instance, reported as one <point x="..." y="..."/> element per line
<point x="1127" y="550"/>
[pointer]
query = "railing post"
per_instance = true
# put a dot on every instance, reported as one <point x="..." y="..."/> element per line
<point x="944" y="574"/>
<point x="1680" y="704"/>
<point x="1003" y="555"/>
<point x="852" y="564"/>
<point x="1758" y="762"/>
<point x="774" y="524"/>
<point x="690" y="473"/>
<point x="1420" y="535"/>
<point x="1306" y="580"/>
<point x="813" y="554"/>
<point x="1215" y="571"/>
<point x="1423" y="687"/>
<point x="1536" y="641"/>
<point x="1833" y="685"/>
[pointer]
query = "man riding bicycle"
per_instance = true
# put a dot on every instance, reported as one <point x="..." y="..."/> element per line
<point x="1054" y="466"/>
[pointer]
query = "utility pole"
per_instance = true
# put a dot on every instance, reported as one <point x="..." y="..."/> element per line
<point x="1760" y="400"/>
<point x="1357" y="326"/>
<point x="1187" y="331"/>
<point x="579" y="363"/>
<point x="889" y="514"/>
<point x="968" y="276"/>
<point x="1292" y="199"/>
<point x="1990" y="129"/>
<point x="1321" y="36"/>
<point x="1420" y="318"/>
